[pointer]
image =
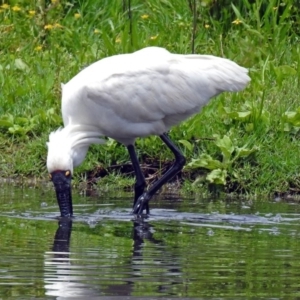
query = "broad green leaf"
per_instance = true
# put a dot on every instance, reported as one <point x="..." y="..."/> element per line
<point x="217" y="176"/>
<point x="285" y="70"/>
<point x="224" y="109"/>
<point x="34" y="120"/>
<point x="244" y="152"/>
<point x="295" y="129"/>
<point x="94" y="50"/>
<point x="50" y="111"/>
<point x="225" y="144"/>
<point x="205" y="161"/>
<point x="287" y="127"/>
<point x="5" y="123"/>
<point x="9" y="118"/>
<point x="187" y="144"/>
<point x="19" y="130"/>
<point x="249" y="127"/>
<point x="199" y="180"/>
<point x="240" y="115"/>
<point x="111" y="143"/>
<point x="15" y="129"/>
<point x="290" y="114"/>
<point x="21" y="121"/>
<point x="292" y="117"/>
<point x="21" y="65"/>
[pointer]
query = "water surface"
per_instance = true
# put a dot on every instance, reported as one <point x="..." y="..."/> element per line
<point x="187" y="248"/>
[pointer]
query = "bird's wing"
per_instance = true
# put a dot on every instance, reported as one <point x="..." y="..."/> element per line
<point x="152" y="83"/>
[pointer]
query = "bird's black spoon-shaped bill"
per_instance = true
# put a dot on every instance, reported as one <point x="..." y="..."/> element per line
<point x="62" y="185"/>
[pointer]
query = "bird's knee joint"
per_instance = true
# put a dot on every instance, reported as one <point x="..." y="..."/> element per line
<point x="140" y="185"/>
<point x="181" y="161"/>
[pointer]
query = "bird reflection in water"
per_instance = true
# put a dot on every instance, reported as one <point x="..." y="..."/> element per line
<point x="62" y="279"/>
<point x="65" y="278"/>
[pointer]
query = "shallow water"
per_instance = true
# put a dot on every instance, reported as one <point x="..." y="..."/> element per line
<point x="187" y="248"/>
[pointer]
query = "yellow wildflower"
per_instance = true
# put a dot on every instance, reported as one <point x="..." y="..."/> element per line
<point x="144" y="17"/>
<point x="96" y="31"/>
<point x="237" y="22"/>
<point x="54" y="1"/>
<point x="206" y="26"/>
<point x="118" y="40"/>
<point x="16" y="8"/>
<point x="275" y="8"/>
<point x="31" y="12"/>
<point x="38" y="48"/>
<point x="77" y="16"/>
<point x="153" y="37"/>
<point x="5" y="6"/>
<point x="48" y="27"/>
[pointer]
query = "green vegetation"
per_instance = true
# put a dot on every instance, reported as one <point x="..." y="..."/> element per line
<point x="245" y="143"/>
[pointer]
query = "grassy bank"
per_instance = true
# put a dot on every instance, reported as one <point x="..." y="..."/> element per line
<point x="245" y="143"/>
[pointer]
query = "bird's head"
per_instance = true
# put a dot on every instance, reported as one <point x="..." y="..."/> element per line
<point x="67" y="148"/>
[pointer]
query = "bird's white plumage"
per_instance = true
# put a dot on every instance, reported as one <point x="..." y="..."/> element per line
<point x="67" y="147"/>
<point x="140" y="94"/>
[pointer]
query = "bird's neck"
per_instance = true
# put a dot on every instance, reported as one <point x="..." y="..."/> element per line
<point x="78" y="155"/>
<point x="80" y="137"/>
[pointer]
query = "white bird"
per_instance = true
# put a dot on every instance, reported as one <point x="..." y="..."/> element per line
<point x="128" y="96"/>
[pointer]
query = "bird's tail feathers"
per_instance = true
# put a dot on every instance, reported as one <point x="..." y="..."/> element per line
<point x="226" y="73"/>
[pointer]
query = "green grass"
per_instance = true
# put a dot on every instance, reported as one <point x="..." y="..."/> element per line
<point x="249" y="142"/>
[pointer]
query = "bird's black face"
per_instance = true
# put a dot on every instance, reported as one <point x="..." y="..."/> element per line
<point x="62" y="185"/>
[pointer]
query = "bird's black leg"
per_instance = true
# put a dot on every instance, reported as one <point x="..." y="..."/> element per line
<point x="140" y="179"/>
<point x="176" y="167"/>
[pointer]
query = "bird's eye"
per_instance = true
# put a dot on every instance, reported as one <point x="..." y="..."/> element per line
<point x="68" y="173"/>
<point x="50" y="176"/>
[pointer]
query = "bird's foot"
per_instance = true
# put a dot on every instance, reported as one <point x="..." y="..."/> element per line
<point x="141" y="204"/>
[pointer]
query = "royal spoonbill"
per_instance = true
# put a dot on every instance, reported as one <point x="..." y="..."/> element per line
<point x="128" y="96"/>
